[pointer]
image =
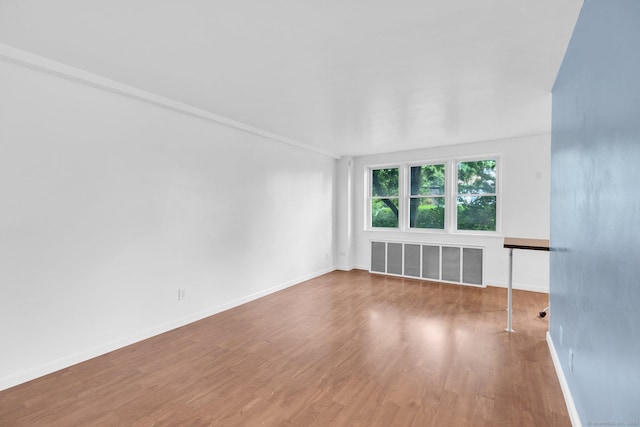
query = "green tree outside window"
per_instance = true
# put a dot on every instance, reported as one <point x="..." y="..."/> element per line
<point x="384" y="197"/>
<point x="427" y="197"/>
<point x="477" y="195"/>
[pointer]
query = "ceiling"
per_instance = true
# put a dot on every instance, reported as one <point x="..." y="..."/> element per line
<point x="347" y="77"/>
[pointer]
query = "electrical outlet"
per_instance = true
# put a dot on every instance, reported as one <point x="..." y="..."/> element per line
<point x="182" y="294"/>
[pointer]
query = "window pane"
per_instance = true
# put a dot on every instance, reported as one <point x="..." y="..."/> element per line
<point x="477" y="213"/>
<point x="477" y="177"/>
<point x="427" y="212"/>
<point x="427" y="180"/>
<point x="384" y="182"/>
<point x="384" y="213"/>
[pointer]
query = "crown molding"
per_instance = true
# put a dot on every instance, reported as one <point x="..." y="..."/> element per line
<point x="30" y="60"/>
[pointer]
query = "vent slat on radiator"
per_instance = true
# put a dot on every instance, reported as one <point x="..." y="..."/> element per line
<point x="450" y="264"/>
<point x="472" y="266"/>
<point x="412" y="260"/>
<point x="431" y="262"/>
<point x="379" y="257"/>
<point x="447" y="263"/>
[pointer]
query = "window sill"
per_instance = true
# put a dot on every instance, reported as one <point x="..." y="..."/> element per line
<point x="420" y="231"/>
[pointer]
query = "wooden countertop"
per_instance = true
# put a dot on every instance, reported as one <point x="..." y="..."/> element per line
<point x="533" y="244"/>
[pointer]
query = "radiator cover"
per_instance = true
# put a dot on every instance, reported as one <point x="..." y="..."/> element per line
<point x="433" y="261"/>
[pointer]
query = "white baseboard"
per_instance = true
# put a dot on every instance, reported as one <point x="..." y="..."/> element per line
<point x="73" y="359"/>
<point x="519" y="286"/>
<point x="497" y="284"/>
<point x="571" y="406"/>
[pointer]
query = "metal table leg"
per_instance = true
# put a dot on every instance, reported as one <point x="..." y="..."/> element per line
<point x="509" y="291"/>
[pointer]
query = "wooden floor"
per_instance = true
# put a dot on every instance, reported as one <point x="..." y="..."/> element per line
<point x="345" y="349"/>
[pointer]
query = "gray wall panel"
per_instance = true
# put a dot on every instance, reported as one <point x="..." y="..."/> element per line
<point x="594" y="285"/>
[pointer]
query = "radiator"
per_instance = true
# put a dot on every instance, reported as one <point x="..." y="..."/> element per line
<point x="439" y="262"/>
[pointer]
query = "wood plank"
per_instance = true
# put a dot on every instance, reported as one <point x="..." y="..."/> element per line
<point x="531" y="244"/>
<point x="344" y="349"/>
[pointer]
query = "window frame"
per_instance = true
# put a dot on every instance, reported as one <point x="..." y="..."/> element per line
<point x="370" y="197"/>
<point x="454" y="182"/>
<point x="444" y="197"/>
<point x="450" y="196"/>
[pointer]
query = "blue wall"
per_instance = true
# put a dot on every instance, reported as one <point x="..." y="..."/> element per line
<point x="595" y="213"/>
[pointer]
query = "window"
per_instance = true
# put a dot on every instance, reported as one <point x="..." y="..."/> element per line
<point x="446" y="196"/>
<point x="427" y="197"/>
<point x="477" y="195"/>
<point x="385" y="197"/>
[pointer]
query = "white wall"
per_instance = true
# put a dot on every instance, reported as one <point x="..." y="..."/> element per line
<point x="109" y="205"/>
<point x="344" y="213"/>
<point x="525" y="169"/>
